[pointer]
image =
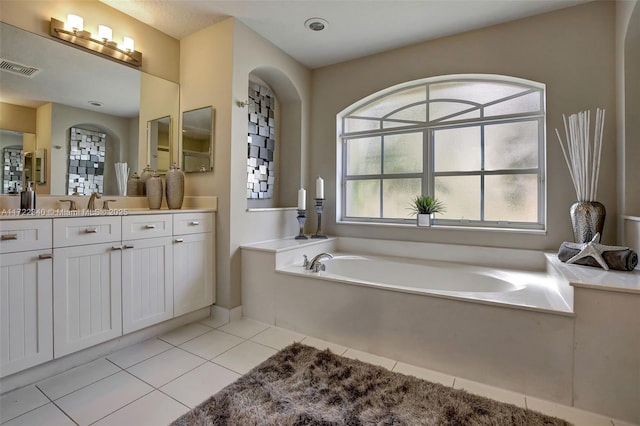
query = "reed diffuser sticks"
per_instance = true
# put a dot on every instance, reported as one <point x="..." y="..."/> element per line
<point x="582" y="153"/>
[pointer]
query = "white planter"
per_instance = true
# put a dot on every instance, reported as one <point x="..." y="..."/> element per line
<point x="424" y="220"/>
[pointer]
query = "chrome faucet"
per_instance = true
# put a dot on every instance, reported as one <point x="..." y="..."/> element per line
<point x="315" y="265"/>
<point x="92" y="201"/>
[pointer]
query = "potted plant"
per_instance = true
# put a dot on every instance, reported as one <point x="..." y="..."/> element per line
<point x="424" y="207"/>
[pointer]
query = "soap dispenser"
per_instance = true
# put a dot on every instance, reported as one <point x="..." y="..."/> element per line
<point x="28" y="200"/>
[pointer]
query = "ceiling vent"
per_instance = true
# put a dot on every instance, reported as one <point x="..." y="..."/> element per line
<point x="16" y="68"/>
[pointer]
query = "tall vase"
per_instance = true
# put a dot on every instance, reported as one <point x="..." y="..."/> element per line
<point x="144" y="176"/>
<point x="133" y="185"/>
<point x="174" y="187"/>
<point x="587" y="218"/>
<point x="154" y="191"/>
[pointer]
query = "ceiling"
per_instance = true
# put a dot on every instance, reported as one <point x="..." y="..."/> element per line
<point x="356" y="28"/>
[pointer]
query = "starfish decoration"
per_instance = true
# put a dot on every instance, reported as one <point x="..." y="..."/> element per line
<point x="594" y="249"/>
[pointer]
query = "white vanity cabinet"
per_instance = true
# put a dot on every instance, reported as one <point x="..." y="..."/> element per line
<point x="194" y="261"/>
<point x="147" y="271"/>
<point x="26" y="335"/>
<point x="86" y="282"/>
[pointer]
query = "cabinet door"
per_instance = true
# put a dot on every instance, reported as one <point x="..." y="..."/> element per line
<point x="26" y="334"/>
<point x="86" y="296"/>
<point x="194" y="282"/>
<point x="147" y="282"/>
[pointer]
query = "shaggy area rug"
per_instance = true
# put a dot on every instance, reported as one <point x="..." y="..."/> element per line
<point x="301" y="385"/>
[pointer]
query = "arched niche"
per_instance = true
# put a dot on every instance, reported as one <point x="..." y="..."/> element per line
<point x="287" y="155"/>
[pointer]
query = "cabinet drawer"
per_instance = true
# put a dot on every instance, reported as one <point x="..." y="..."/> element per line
<point x="192" y="223"/>
<point x="86" y="230"/>
<point x="146" y="226"/>
<point x="25" y="234"/>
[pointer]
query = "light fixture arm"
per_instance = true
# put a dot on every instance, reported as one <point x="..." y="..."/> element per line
<point x="84" y="39"/>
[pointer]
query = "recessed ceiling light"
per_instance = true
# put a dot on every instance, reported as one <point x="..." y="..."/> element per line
<point x="316" y="24"/>
<point x="96" y="103"/>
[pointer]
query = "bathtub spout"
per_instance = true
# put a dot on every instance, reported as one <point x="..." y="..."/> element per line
<point x="315" y="265"/>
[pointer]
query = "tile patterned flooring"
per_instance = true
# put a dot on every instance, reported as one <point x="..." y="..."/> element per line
<point x="154" y="382"/>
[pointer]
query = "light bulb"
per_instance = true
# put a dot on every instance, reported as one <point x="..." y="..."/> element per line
<point x="128" y="44"/>
<point x="75" y="23"/>
<point x="104" y="33"/>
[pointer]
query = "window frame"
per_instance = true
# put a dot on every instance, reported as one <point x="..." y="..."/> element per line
<point x="428" y="128"/>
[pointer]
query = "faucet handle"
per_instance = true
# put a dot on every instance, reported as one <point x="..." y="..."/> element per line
<point x="72" y="204"/>
<point x="305" y="263"/>
<point x="319" y="266"/>
<point x="105" y="204"/>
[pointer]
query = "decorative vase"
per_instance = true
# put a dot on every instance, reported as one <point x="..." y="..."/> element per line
<point x="174" y="187"/>
<point x="424" y="220"/>
<point x="587" y="219"/>
<point x="154" y="191"/>
<point x="133" y="185"/>
<point x="144" y="176"/>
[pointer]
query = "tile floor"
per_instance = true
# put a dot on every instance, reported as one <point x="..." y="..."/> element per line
<point x="154" y="382"/>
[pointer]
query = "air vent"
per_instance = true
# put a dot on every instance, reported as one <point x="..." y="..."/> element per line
<point x="16" y="68"/>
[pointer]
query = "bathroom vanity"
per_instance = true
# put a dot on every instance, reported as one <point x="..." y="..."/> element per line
<point x="71" y="282"/>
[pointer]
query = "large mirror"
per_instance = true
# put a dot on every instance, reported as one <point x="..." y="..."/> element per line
<point x="91" y="112"/>
<point x="197" y="140"/>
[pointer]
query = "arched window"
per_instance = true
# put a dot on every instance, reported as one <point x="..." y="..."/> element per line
<point x="475" y="142"/>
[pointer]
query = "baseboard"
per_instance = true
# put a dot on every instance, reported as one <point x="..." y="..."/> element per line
<point x="227" y="315"/>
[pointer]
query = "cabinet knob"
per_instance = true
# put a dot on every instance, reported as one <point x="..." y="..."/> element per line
<point x="7" y="237"/>
<point x="179" y="240"/>
<point x="91" y="231"/>
<point x="195" y="223"/>
<point x="150" y="226"/>
<point x="45" y="256"/>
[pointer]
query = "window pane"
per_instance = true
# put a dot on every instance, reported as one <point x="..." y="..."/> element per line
<point x="457" y="149"/>
<point x="511" y="145"/>
<point x="387" y="104"/>
<point x="363" y="198"/>
<point x="403" y="153"/>
<point x="460" y="195"/>
<point x="512" y="198"/>
<point x="526" y="103"/>
<point x="364" y="156"/>
<point x="359" y="125"/>
<point x="397" y="195"/>
<point x="416" y="113"/>
<point x="481" y="92"/>
<point x="440" y="109"/>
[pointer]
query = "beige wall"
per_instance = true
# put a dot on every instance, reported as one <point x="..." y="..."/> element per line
<point x="160" y="52"/>
<point x="577" y="66"/>
<point x="17" y="118"/>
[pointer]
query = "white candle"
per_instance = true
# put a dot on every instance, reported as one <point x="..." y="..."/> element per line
<point x="302" y="199"/>
<point x="320" y="188"/>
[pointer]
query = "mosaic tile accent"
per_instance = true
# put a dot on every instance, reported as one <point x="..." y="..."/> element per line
<point x="12" y="173"/>
<point x="86" y="162"/>
<point x="261" y="143"/>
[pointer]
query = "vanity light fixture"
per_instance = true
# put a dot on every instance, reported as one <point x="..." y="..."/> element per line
<point x="73" y="32"/>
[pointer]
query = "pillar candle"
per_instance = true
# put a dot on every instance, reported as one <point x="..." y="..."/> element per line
<point x="320" y="188"/>
<point x="302" y="199"/>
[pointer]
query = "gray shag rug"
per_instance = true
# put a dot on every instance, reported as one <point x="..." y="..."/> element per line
<point x="301" y="385"/>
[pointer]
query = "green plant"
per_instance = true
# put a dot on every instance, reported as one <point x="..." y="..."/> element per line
<point x="426" y="204"/>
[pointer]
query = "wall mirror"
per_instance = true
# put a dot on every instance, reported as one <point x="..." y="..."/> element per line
<point x="35" y="166"/>
<point x="197" y="140"/>
<point x="159" y="142"/>
<point x="73" y="88"/>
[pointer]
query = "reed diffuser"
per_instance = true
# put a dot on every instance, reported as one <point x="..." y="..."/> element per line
<point x="582" y="154"/>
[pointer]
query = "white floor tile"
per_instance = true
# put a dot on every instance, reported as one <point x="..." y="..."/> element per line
<point x="99" y="399"/>
<point x="152" y="409"/>
<point x="244" y="357"/>
<point x="370" y="358"/>
<point x="323" y="344"/>
<point x="76" y="378"/>
<point x="277" y="338"/>
<point x="199" y="384"/>
<point x="571" y="414"/>
<point x="423" y="373"/>
<point x="131" y="355"/>
<point x="18" y="402"/>
<point x="245" y="328"/>
<point x="163" y="368"/>
<point x="492" y="392"/>
<point x="47" y="415"/>
<point x="182" y="334"/>
<point x="211" y="344"/>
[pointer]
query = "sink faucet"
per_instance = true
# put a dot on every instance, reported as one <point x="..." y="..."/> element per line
<point x="315" y="265"/>
<point x="92" y="201"/>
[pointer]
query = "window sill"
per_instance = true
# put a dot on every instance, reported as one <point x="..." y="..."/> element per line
<point x="448" y="227"/>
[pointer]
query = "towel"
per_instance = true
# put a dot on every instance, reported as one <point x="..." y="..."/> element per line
<point x="621" y="260"/>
